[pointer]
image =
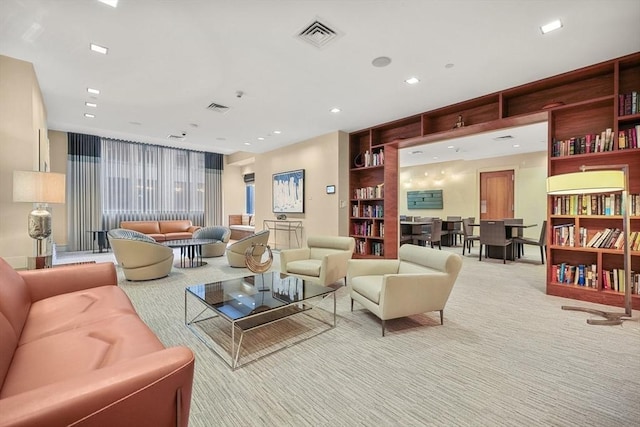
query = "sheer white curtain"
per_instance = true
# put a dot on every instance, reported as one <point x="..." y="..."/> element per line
<point x="148" y="182"/>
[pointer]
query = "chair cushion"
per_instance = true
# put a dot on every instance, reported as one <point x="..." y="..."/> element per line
<point x="307" y="267"/>
<point x="368" y="286"/>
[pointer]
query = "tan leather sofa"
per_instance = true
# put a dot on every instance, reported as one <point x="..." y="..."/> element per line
<point x="139" y="256"/>
<point x="73" y="351"/>
<point x="420" y="280"/>
<point x="323" y="261"/>
<point x="235" y="251"/>
<point x="163" y="230"/>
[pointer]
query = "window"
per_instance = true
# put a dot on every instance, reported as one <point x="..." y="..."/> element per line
<point x="250" y="193"/>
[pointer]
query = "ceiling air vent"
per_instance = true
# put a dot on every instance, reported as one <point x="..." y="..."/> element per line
<point x="179" y="138"/>
<point x="318" y="34"/>
<point x="218" y="108"/>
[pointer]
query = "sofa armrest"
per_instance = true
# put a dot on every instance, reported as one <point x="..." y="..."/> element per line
<point x="45" y="283"/>
<point x="193" y="228"/>
<point x="141" y="391"/>
<point x="290" y="255"/>
<point x="405" y="294"/>
<point x="371" y="267"/>
<point x="334" y="267"/>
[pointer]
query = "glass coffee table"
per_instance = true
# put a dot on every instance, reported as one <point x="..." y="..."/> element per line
<point x="248" y="303"/>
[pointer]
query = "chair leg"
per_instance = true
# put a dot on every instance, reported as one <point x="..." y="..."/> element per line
<point x="383" y="327"/>
<point x="480" y="253"/>
<point x="351" y="304"/>
<point x="541" y="255"/>
<point x="442" y="317"/>
<point x="504" y="254"/>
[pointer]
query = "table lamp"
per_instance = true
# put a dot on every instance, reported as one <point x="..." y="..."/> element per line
<point x="41" y="188"/>
<point x="601" y="179"/>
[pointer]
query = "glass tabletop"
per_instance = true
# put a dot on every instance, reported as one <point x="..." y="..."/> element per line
<point x="187" y="242"/>
<point x="243" y="297"/>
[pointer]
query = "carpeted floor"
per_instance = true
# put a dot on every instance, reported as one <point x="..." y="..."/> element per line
<point x="507" y="355"/>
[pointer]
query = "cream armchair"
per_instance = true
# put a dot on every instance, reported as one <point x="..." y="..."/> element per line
<point x="220" y="234"/>
<point x="324" y="261"/>
<point x="235" y="252"/>
<point x="420" y="280"/>
<point x="139" y="255"/>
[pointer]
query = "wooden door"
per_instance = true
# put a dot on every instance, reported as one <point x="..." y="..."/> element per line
<point x="496" y="194"/>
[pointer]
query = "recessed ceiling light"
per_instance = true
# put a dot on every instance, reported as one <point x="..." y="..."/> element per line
<point x="435" y="157"/>
<point x="412" y="80"/>
<point x="135" y="123"/>
<point x="90" y="116"/>
<point x="277" y="132"/>
<point x="416" y="152"/>
<point x="381" y="61"/>
<point x="112" y="3"/>
<point x="335" y="110"/>
<point x="516" y="145"/>
<point x="551" y="26"/>
<point x="100" y="49"/>
<point x="91" y="104"/>
<point x="247" y="143"/>
<point x="260" y="138"/>
<point x="93" y="91"/>
<point x="449" y="65"/>
<point x="451" y="146"/>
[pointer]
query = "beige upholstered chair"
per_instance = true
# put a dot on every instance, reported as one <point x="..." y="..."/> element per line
<point x="219" y="233"/>
<point x="323" y="261"/>
<point x="420" y="280"/>
<point x="139" y="256"/>
<point x="235" y="252"/>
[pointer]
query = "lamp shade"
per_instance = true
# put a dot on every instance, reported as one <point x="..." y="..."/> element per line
<point x="38" y="187"/>
<point x="596" y="181"/>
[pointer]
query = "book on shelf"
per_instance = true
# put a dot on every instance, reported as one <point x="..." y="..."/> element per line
<point x="375" y="192"/>
<point x="594" y="204"/>
<point x="628" y="103"/>
<point x="579" y="275"/>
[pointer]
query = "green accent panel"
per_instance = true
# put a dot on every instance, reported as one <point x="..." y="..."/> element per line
<point x="424" y="199"/>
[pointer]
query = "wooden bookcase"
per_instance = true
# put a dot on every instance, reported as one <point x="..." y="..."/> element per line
<point x="577" y="103"/>
<point x="579" y="118"/>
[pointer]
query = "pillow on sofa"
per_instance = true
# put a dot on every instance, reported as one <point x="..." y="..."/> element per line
<point x="245" y="219"/>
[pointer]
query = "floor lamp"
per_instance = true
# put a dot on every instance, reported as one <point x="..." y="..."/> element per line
<point x="601" y="179"/>
<point x="41" y="188"/>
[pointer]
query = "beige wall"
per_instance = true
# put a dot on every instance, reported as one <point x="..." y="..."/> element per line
<point x="460" y="183"/>
<point x="58" y="158"/>
<point x="322" y="161"/>
<point x="23" y="116"/>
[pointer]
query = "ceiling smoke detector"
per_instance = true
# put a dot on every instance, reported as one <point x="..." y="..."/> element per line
<point x="219" y="108"/>
<point x="318" y="34"/>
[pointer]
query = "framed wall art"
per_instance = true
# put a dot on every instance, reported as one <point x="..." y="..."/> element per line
<point x="288" y="192"/>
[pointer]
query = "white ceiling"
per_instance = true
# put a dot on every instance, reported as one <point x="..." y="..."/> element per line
<point x="168" y="60"/>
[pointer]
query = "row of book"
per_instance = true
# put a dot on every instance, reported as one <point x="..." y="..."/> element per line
<point x="609" y="238"/>
<point x="376" y="192"/>
<point x="594" y="204"/>
<point x="614" y="280"/>
<point x="590" y="143"/>
<point x="587" y="276"/>
<point x="368" y="228"/>
<point x="373" y="158"/>
<point x="612" y="238"/>
<point x="368" y="211"/>
<point x="628" y="138"/>
<point x="581" y="275"/>
<point x="628" y="103"/>
<point x="377" y="248"/>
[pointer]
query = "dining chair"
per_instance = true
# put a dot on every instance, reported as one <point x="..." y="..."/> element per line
<point x="541" y="241"/>
<point x="467" y="235"/>
<point x="457" y="229"/>
<point x="494" y="233"/>
<point x="514" y="232"/>
<point x="434" y="233"/>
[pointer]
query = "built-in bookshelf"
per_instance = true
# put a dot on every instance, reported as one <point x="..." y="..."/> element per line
<point x="593" y="120"/>
<point x="586" y="241"/>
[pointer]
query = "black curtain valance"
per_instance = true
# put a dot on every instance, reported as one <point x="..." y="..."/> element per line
<point x="83" y="145"/>
<point x="213" y="161"/>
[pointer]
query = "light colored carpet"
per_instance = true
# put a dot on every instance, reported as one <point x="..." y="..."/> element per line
<point x="507" y="355"/>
